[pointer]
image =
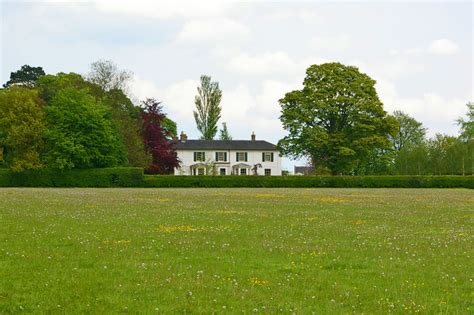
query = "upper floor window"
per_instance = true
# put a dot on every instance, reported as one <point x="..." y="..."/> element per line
<point x="267" y="156"/>
<point x="199" y="156"/>
<point x="241" y="157"/>
<point x="221" y="156"/>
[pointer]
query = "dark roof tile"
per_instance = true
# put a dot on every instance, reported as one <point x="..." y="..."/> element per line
<point x="225" y="145"/>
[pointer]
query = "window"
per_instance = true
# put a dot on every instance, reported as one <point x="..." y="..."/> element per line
<point x="268" y="172"/>
<point x="221" y="156"/>
<point x="222" y="171"/>
<point x="199" y="156"/>
<point x="267" y="156"/>
<point x="200" y="171"/>
<point x="243" y="171"/>
<point x="241" y="157"/>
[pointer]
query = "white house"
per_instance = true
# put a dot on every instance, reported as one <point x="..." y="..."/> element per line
<point x="227" y="157"/>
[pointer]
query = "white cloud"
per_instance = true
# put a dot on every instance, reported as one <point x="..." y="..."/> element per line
<point x="443" y="47"/>
<point x="430" y="108"/>
<point x="330" y="43"/>
<point x="307" y="16"/>
<point x="262" y="64"/>
<point x="270" y="63"/>
<point x="437" y="47"/>
<point x="215" y="29"/>
<point x="164" y="9"/>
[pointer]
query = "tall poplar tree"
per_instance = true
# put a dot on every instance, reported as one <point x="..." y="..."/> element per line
<point x="208" y="110"/>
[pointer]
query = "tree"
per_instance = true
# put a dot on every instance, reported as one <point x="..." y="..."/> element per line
<point x="26" y="76"/>
<point x="412" y="160"/>
<point x="337" y="119"/>
<point x="49" y="85"/>
<point x="410" y="131"/>
<point x="22" y="127"/>
<point x="467" y="126"/>
<point x="80" y="132"/>
<point x="128" y="123"/>
<point x="224" y="133"/>
<point x="208" y="111"/>
<point x="108" y="76"/>
<point x="156" y="138"/>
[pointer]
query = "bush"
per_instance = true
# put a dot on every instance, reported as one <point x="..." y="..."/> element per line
<point x="100" y="177"/>
<point x="133" y="177"/>
<point x="311" y="181"/>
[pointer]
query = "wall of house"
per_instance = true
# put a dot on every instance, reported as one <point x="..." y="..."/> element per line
<point x="187" y="159"/>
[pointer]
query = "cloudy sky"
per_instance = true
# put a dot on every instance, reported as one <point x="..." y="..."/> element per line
<point x="420" y="53"/>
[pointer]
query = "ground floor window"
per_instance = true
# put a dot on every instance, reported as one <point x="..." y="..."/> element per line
<point x="222" y="171"/>
<point x="268" y="172"/>
<point x="243" y="171"/>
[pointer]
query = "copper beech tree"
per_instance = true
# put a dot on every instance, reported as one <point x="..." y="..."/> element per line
<point x="157" y="137"/>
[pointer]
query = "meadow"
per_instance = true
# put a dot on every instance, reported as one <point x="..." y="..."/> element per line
<point x="236" y="250"/>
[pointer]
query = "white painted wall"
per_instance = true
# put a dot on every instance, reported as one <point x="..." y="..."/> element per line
<point x="187" y="159"/>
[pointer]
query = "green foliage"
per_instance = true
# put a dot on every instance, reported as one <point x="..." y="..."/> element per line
<point x="337" y="119"/>
<point x="437" y="156"/>
<point x="410" y="132"/>
<point x="467" y="125"/>
<point x="80" y="132"/>
<point x="170" y="127"/>
<point x="49" y="85"/>
<point x="22" y="127"/>
<point x="208" y="110"/>
<point x="311" y="181"/>
<point x="128" y="124"/>
<point x="224" y="133"/>
<point x="26" y="76"/>
<point x="103" y="177"/>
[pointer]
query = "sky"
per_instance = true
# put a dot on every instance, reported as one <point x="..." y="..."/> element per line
<point x="420" y="53"/>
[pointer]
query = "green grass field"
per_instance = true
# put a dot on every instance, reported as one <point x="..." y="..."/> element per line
<point x="233" y="250"/>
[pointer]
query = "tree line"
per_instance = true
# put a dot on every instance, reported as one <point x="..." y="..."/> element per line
<point x="337" y="122"/>
<point x="67" y="121"/>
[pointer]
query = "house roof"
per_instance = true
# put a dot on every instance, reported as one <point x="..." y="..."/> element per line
<point x="225" y="145"/>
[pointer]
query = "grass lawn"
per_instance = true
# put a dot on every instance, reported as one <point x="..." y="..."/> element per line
<point x="233" y="250"/>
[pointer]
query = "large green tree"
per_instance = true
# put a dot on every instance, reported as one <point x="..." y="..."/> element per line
<point x="80" y="132"/>
<point x="337" y="119"/>
<point x="22" y="127"/>
<point x="410" y="132"/>
<point x="26" y="76"/>
<point x="125" y="116"/>
<point x="208" y="110"/>
<point x="128" y="122"/>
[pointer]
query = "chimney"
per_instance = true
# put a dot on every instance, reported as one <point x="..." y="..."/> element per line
<point x="183" y="137"/>
<point x="253" y="136"/>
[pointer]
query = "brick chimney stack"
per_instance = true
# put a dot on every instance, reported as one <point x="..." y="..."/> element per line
<point x="253" y="136"/>
<point x="183" y="137"/>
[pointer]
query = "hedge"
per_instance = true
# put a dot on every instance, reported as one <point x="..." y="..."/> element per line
<point x="445" y="181"/>
<point x="100" y="177"/>
<point x="133" y="177"/>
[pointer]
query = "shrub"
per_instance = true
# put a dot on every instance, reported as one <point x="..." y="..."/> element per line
<point x="101" y="177"/>
<point x="133" y="177"/>
<point x="311" y="181"/>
